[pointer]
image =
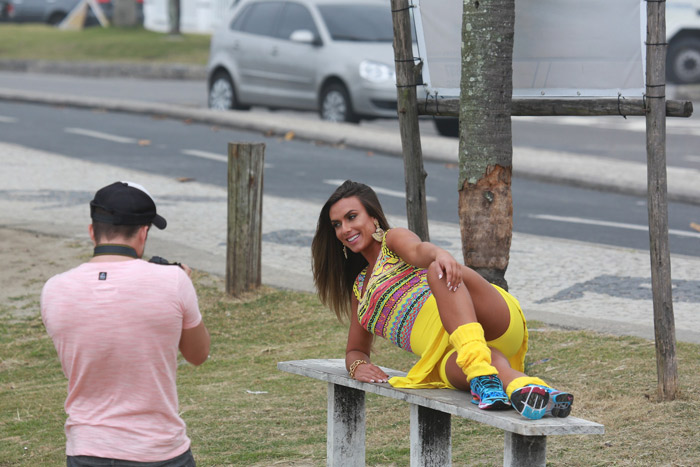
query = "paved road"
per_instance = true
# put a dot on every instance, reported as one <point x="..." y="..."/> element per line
<point x="581" y="135"/>
<point x="617" y="164"/>
<point x="299" y="169"/>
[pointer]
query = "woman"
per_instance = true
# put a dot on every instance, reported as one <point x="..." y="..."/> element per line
<point x="469" y="334"/>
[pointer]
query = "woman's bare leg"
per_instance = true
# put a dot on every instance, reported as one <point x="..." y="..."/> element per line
<point x="506" y="373"/>
<point x="455" y="375"/>
<point x="491" y="308"/>
<point x="476" y="300"/>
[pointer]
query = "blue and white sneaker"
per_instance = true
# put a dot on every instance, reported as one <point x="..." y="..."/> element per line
<point x="487" y="391"/>
<point x="559" y="404"/>
<point x="535" y="401"/>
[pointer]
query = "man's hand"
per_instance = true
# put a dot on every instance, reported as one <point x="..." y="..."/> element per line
<point x="185" y="268"/>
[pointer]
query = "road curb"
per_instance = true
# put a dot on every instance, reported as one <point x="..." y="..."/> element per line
<point x="108" y="69"/>
<point x="192" y="72"/>
<point x="579" y="170"/>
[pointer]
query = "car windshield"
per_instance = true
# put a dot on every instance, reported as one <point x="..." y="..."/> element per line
<point x="366" y="23"/>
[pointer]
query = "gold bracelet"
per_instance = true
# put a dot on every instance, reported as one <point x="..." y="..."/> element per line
<point x="354" y="366"/>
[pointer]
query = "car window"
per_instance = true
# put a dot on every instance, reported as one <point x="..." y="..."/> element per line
<point x="258" y="18"/>
<point x="295" y="17"/>
<point x="238" y="21"/>
<point x="350" y="22"/>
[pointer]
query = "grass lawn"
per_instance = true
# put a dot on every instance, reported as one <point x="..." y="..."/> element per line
<point x="43" y="42"/>
<point x="240" y="410"/>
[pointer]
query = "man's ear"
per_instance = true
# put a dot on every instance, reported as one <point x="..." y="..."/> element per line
<point x="143" y="232"/>
<point x="91" y="231"/>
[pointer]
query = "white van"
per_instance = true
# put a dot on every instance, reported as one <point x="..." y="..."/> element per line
<point x="683" y="35"/>
<point x="682" y="29"/>
<point x="196" y="16"/>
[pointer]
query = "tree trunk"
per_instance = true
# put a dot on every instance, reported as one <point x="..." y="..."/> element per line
<point x="485" y="142"/>
<point x="124" y="13"/>
<point x="174" y="17"/>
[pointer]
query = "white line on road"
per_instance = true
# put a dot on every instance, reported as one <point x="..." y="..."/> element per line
<point x="212" y="156"/>
<point x="618" y="225"/>
<point x="4" y="119"/>
<point x="205" y="155"/>
<point x="100" y="135"/>
<point x="383" y="191"/>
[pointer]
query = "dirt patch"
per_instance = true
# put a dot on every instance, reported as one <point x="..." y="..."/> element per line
<point x="29" y="259"/>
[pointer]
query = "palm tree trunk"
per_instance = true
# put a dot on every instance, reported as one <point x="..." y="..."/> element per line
<point x="485" y="144"/>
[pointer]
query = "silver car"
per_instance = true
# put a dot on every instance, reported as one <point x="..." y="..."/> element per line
<point x="333" y="56"/>
<point x="54" y="11"/>
<point x="38" y="11"/>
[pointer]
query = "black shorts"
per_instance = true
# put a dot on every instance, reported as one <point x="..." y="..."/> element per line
<point x="183" y="460"/>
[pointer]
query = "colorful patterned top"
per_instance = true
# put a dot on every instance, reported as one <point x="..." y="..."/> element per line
<point x="395" y="293"/>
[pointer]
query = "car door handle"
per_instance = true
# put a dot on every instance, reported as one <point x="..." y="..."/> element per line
<point x="274" y="51"/>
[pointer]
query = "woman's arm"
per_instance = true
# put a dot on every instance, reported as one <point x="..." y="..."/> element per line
<point x="358" y="348"/>
<point x="422" y="254"/>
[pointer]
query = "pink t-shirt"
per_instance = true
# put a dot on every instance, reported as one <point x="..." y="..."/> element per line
<point x="116" y="327"/>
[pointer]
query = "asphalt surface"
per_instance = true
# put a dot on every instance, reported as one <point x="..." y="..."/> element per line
<point x="565" y="283"/>
<point x="546" y="165"/>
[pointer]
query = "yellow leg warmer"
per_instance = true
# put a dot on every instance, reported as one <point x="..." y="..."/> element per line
<point x="523" y="381"/>
<point x="473" y="355"/>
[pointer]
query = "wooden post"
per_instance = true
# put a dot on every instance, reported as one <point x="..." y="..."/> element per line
<point x="406" y="79"/>
<point x="526" y="106"/>
<point x="664" y="327"/>
<point x="244" y="236"/>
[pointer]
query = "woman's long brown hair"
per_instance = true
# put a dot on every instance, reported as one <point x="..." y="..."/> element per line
<point x="333" y="274"/>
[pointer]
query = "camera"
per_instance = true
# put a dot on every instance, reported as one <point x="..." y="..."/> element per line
<point x="161" y="260"/>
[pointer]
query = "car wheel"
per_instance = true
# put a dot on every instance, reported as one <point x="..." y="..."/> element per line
<point x="447" y="126"/>
<point x="335" y="104"/>
<point x="222" y="94"/>
<point x="56" y="18"/>
<point x="683" y="63"/>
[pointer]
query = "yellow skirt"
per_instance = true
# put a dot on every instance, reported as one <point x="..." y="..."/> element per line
<point x="430" y="341"/>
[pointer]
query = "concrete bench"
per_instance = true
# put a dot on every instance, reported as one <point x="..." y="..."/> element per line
<point x="431" y="409"/>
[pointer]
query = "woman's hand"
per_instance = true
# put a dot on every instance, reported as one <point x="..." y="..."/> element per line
<point x="369" y="373"/>
<point x="451" y="269"/>
<point x="412" y="250"/>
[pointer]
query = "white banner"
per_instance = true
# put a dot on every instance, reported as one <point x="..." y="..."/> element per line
<point x="572" y="48"/>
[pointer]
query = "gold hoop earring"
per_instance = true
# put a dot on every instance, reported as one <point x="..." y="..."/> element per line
<point x="378" y="234"/>
<point x="345" y="252"/>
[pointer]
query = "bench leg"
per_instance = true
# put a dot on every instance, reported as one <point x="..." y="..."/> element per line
<point x="524" y="451"/>
<point x="431" y="437"/>
<point x="345" y="444"/>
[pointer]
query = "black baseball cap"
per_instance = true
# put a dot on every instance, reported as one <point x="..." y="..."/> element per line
<point x="125" y="203"/>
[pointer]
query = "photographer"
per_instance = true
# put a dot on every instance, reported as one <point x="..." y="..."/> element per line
<point x="117" y="323"/>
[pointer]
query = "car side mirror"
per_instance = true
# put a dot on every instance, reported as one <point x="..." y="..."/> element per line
<point x="304" y="36"/>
